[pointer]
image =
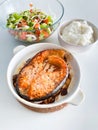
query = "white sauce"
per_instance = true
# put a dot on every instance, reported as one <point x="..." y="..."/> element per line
<point x="78" y="33"/>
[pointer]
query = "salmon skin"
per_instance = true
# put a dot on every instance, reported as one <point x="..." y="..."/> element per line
<point x="43" y="75"/>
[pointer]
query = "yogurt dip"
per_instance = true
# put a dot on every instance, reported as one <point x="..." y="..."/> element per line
<point x="78" y="33"/>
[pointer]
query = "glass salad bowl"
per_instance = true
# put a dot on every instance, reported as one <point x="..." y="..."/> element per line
<point x="31" y="20"/>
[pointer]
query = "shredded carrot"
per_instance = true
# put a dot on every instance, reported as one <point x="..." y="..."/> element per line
<point x="46" y="21"/>
<point x="31" y="5"/>
<point x="37" y="25"/>
<point x="46" y="34"/>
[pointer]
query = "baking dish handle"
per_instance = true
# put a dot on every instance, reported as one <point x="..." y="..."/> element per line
<point x="78" y="99"/>
<point x="18" y="48"/>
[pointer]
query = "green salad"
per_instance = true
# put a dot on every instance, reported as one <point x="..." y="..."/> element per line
<point x="30" y="25"/>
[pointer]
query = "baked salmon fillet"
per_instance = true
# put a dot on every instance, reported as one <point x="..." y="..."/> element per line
<point x="42" y="75"/>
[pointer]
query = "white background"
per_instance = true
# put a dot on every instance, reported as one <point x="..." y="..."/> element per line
<point x="13" y="116"/>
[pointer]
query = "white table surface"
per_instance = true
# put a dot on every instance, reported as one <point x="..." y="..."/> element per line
<point x="13" y="116"/>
